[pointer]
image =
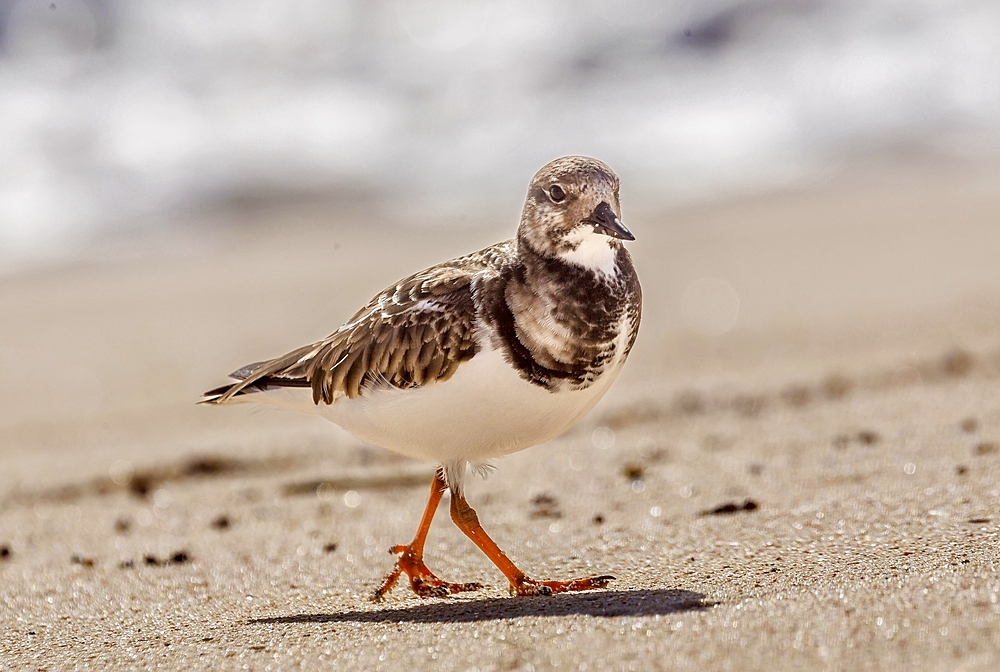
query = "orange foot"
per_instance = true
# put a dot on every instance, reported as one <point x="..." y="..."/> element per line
<point x="527" y="587"/>
<point x="422" y="580"/>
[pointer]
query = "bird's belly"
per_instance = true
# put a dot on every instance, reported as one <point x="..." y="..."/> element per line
<point x="483" y="411"/>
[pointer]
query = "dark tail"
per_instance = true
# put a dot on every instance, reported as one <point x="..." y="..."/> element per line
<point x="260" y="385"/>
<point x="213" y="396"/>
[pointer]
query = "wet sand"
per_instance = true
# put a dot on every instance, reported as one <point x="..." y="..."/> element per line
<point x="815" y="488"/>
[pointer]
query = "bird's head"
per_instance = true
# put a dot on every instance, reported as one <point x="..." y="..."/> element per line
<point x="572" y="213"/>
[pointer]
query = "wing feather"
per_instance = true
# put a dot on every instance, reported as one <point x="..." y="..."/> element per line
<point x="414" y="333"/>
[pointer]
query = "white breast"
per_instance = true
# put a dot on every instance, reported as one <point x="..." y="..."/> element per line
<point x="484" y="411"/>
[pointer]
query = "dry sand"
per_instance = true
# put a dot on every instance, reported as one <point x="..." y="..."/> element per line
<point x="850" y="421"/>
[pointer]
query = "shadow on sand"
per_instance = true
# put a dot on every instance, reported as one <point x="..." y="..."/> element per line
<point x="603" y="604"/>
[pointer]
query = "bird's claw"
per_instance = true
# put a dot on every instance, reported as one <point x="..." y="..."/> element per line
<point x="423" y="582"/>
<point x="529" y="588"/>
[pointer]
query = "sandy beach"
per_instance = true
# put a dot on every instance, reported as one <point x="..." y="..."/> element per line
<point x="798" y="469"/>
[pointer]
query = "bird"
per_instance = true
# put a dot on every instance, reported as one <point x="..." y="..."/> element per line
<point x="478" y="357"/>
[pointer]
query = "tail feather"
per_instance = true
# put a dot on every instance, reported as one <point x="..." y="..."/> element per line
<point x="213" y="396"/>
<point x="239" y="375"/>
<point x="245" y="372"/>
<point x="221" y="395"/>
<point x="261" y="376"/>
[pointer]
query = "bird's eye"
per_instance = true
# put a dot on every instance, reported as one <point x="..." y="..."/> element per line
<point x="556" y="193"/>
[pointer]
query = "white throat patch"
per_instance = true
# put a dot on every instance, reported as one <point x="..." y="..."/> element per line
<point x="593" y="251"/>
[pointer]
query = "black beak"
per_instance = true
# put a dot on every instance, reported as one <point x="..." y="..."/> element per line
<point x="606" y="221"/>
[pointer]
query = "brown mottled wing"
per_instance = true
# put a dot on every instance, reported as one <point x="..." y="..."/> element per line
<point x="414" y="333"/>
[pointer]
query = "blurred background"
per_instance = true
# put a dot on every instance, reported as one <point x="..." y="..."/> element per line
<point x="187" y="186"/>
<point x="119" y="116"/>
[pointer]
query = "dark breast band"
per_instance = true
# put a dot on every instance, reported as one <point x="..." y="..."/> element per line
<point x="587" y="306"/>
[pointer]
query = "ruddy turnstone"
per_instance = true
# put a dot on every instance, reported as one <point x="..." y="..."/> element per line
<point x="478" y="357"/>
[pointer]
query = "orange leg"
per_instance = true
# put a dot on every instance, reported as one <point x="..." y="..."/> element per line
<point x="467" y="520"/>
<point x="411" y="562"/>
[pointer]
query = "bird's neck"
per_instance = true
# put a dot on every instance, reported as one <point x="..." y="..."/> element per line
<point x="581" y="250"/>
<point x="591" y="251"/>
